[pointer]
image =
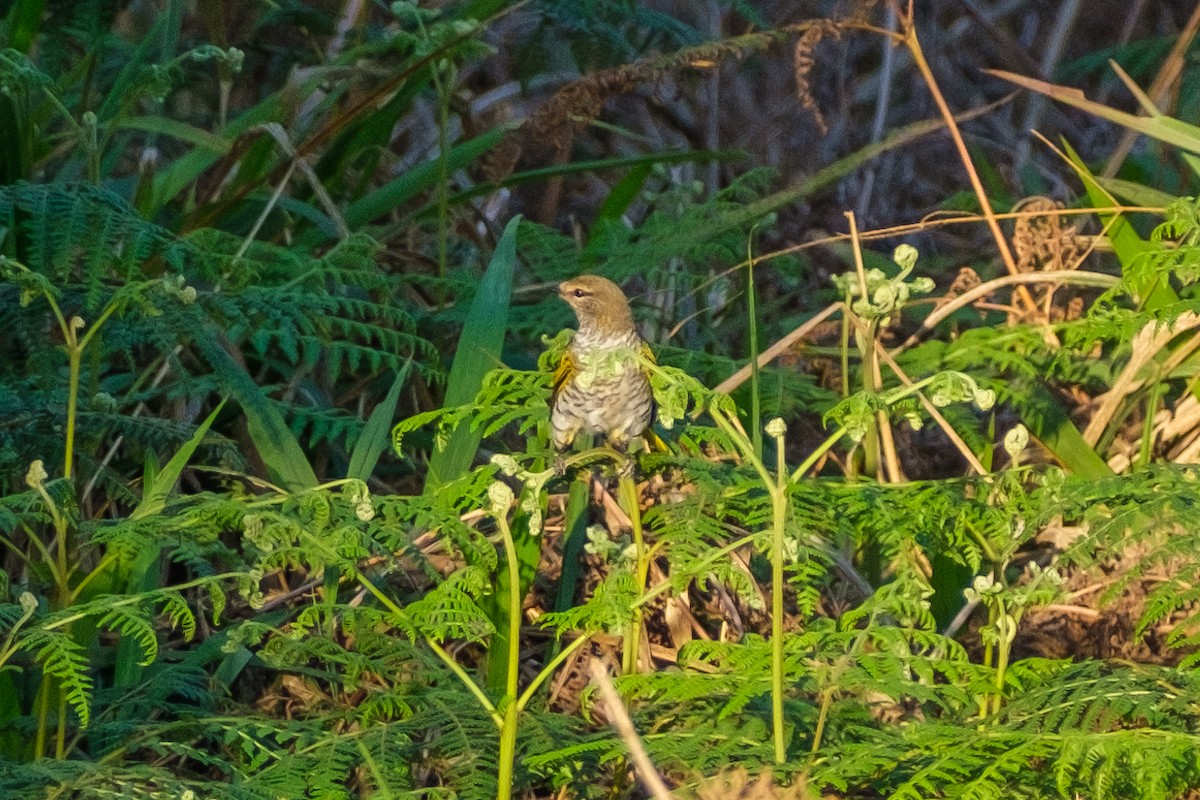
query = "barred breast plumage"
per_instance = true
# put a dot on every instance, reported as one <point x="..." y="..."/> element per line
<point x="600" y="385"/>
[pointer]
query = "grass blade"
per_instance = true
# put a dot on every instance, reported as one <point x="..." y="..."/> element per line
<point x="376" y="435"/>
<point x="281" y="453"/>
<point x="154" y="496"/>
<point x="478" y="353"/>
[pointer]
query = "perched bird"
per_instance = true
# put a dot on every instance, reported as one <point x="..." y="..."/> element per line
<point x="599" y="385"/>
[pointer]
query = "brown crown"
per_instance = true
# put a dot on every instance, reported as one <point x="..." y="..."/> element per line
<point x="598" y="303"/>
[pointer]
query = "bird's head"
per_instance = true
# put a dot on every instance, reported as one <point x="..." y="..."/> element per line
<point x="598" y="303"/>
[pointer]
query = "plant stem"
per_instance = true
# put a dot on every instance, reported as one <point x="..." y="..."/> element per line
<point x="864" y="339"/>
<point x="548" y="670"/>
<point x="755" y="387"/>
<point x="779" y="501"/>
<point x="712" y="557"/>
<point x="628" y="495"/>
<point x="39" y="742"/>
<point x="510" y="709"/>
<point x="60" y="735"/>
<point x="508" y="750"/>
<point x="913" y="43"/>
<point x="74" y="360"/>
<point x="512" y="705"/>
<point x="514" y="610"/>
<point x="822" y="716"/>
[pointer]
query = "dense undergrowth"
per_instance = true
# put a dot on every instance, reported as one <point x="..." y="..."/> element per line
<point x="278" y="513"/>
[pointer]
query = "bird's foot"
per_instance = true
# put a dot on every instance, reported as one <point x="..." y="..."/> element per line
<point x="560" y="465"/>
<point x="624" y="467"/>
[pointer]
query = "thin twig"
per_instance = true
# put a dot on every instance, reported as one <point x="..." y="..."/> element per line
<point x="780" y="347"/>
<point x="882" y="102"/>
<point x="619" y="717"/>
<point x="1078" y="277"/>
<point x="1052" y="50"/>
<point x="1167" y="75"/>
<point x="908" y="25"/>
<point x="933" y="412"/>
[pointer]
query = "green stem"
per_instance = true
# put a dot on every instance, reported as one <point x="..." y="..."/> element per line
<point x="985" y="702"/>
<point x="742" y="443"/>
<point x="508" y="751"/>
<point x="10" y="647"/>
<point x="514" y="610"/>
<point x="1007" y="632"/>
<point x="865" y="341"/>
<point x="39" y="742"/>
<point x="984" y="545"/>
<point x="1152" y="399"/>
<point x="815" y="456"/>
<point x="891" y="398"/>
<point x="627" y="491"/>
<point x="752" y="306"/>
<point x="35" y="540"/>
<point x="822" y="716"/>
<point x="549" y="669"/>
<point x="712" y="557"/>
<point x="440" y="652"/>
<point x="779" y="504"/>
<point x="98" y="571"/>
<point x="437" y="649"/>
<point x="60" y="735"/>
<point x="74" y="359"/>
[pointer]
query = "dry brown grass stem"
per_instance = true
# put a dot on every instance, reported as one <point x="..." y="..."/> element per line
<point x="781" y="346"/>
<point x="909" y="29"/>
<point x="1078" y="277"/>
<point x="939" y="219"/>
<point x="614" y="709"/>
<point x="1146" y="345"/>
<point x="951" y="434"/>
<point x="1167" y="75"/>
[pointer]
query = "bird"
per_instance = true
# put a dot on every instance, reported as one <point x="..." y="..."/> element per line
<point x="601" y="385"/>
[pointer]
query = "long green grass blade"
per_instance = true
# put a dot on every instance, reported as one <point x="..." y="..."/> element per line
<point x="1165" y="129"/>
<point x="478" y="353"/>
<point x="176" y="130"/>
<point x="621" y="196"/>
<point x="277" y="446"/>
<point x="418" y="180"/>
<point x="1132" y="250"/>
<point x="154" y="495"/>
<point x="1048" y="421"/>
<point x="376" y="435"/>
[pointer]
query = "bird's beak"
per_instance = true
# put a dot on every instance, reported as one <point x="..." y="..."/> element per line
<point x="559" y="288"/>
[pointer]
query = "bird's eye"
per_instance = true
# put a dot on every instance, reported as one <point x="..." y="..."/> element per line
<point x="580" y="293"/>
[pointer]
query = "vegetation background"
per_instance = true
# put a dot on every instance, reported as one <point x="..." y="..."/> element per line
<point x="278" y="514"/>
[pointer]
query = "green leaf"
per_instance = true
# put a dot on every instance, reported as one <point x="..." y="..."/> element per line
<point x="176" y="130"/>
<point x="636" y="162"/>
<point x="1131" y="249"/>
<point x="419" y="179"/>
<point x="376" y="435"/>
<point x="1161" y="127"/>
<point x="624" y="193"/>
<point x="1048" y="421"/>
<point x="280" y="451"/>
<point x="160" y="484"/>
<point x="478" y="353"/>
<point x="1135" y="193"/>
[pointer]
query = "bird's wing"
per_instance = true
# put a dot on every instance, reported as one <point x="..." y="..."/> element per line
<point x="564" y="371"/>
<point x="645" y="352"/>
